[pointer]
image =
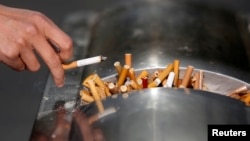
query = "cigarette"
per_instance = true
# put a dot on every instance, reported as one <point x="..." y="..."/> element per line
<point x="201" y="76"/>
<point x="85" y="81"/>
<point x="133" y="84"/>
<point x="144" y="82"/>
<point x="128" y="59"/>
<point x="162" y="76"/>
<point x="100" y="83"/>
<point x="101" y="92"/>
<point x="197" y="81"/>
<point x="238" y="90"/>
<point x="113" y="88"/>
<point x="170" y="80"/>
<point x="143" y="74"/>
<point x="123" y="88"/>
<point x="123" y="75"/>
<point x="176" y="72"/>
<point x="118" y="67"/>
<point x="96" y="95"/>
<point x="131" y="74"/>
<point x="86" y="97"/>
<point x="186" y="77"/>
<point x="84" y="62"/>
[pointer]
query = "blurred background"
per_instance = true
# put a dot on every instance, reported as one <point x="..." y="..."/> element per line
<point x="21" y="92"/>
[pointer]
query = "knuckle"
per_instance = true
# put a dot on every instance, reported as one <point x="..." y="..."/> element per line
<point x="35" y="67"/>
<point x="11" y="53"/>
<point x="31" y="30"/>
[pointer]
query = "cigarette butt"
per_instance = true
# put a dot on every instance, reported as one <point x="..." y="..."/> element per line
<point x="143" y="74"/>
<point x="196" y="81"/>
<point x="133" y="84"/>
<point x="131" y="74"/>
<point x="162" y="76"/>
<point x="176" y="72"/>
<point x="96" y="95"/>
<point x="86" y="97"/>
<point x="113" y="88"/>
<point x="186" y="77"/>
<point x="170" y="80"/>
<point x="84" y="62"/>
<point x="85" y="81"/>
<point x="238" y="90"/>
<point x="100" y="83"/>
<point x="123" y="88"/>
<point x="144" y="82"/>
<point x="128" y="59"/>
<point x="101" y="92"/>
<point x="85" y="92"/>
<point x="123" y="75"/>
<point x="118" y="67"/>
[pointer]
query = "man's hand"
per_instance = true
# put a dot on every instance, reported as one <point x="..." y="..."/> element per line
<point x="24" y="31"/>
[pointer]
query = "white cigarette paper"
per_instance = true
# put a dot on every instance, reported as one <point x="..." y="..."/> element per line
<point x="91" y="60"/>
<point x="170" y="80"/>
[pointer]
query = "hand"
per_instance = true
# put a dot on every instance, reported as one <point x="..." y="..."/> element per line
<point x="24" y="32"/>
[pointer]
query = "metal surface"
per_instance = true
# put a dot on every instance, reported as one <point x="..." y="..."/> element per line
<point x="158" y="114"/>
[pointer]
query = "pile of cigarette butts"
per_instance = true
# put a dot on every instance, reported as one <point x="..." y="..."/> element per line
<point x="95" y="89"/>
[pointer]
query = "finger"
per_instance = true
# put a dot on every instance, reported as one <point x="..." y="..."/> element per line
<point x="15" y="63"/>
<point x="85" y="129"/>
<point x="61" y="40"/>
<point x="29" y="58"/>
<point x="52" y="60"/>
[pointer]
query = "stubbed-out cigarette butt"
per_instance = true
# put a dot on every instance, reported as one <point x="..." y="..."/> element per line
<point x="123" y="88"/>
<point x="99" y="106"/>
<point x="113" y="88"/>
<point x="123" y="75"/>
<point x="98" y="116"/>
<point x="100" y="83"/>
<point x="101" y="92"/>
<point x="238" y="90"/>
<point x="93" y="90"/>
<point x="118" y="67"/>
<point x="133" y="84"/>
<point x="201" y="77"/>
<point x="196" y="81"/>
<point x="187" y="76"/>
<point x="85" y="81"/>
<point x="144" y="82"/>
<point x="96" y="95"/>
<point x="87" y="92"/>
<point x="128" y="59"/>
<point x="162" y="76"/>
<point x="143" y="74"/>
<point x="176" y="72"/>
<point x="169" y="80"/>
<point x="86" y="97"/>
<point x="131" y="74"/>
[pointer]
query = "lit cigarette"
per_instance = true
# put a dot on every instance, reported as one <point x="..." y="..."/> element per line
<point x="84" y="62"/>
<point x="186" y="77"/>
<point x="128" y="59"/>
<point x="176" y="72"/>
<point x="123" y="75"/>
<point x="170" y="80"/>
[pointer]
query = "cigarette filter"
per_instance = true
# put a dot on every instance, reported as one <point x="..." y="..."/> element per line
<point x="84" y="62"/>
